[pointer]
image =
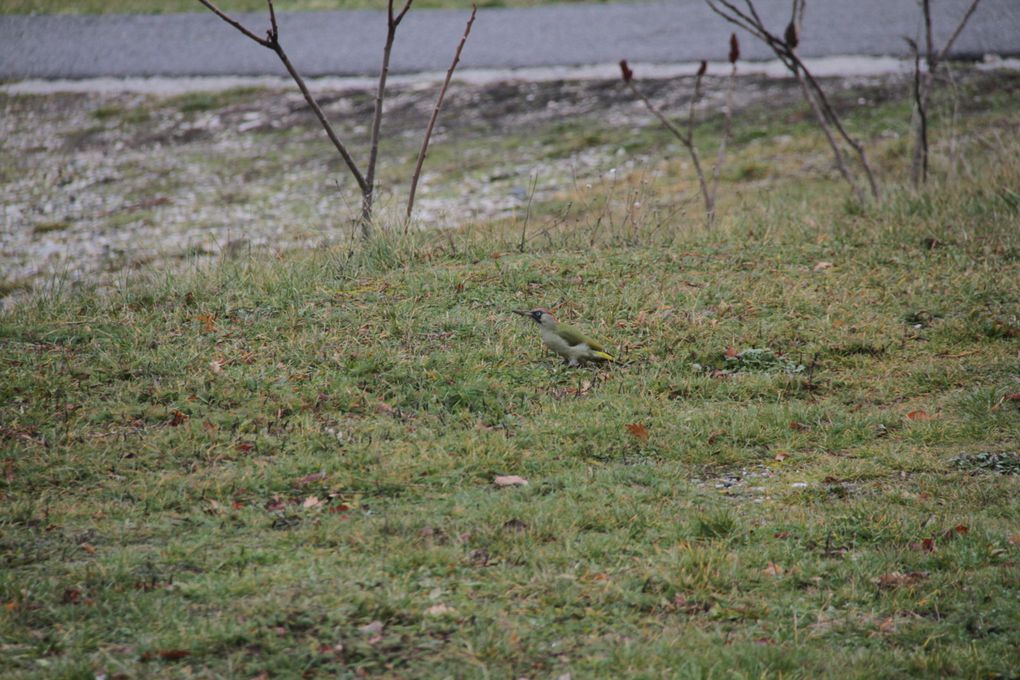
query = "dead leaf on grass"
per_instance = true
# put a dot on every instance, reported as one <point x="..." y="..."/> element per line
<point x="312" y="478"/>
<point x="509" y="480"/>
<point x="822" y="266"/>
<point x="638" y="430"/>
<point x="918" y="415"/>
<point x="373" y="628"/>
<point x="781" y="456"/>
<point x="1013" y="539"/>
<point x="773" y="570"/>
<point x="896" y="579"/>
<point x="440" y="610"/>
<point x="311" y="502"/>
<point x="208" y="322"/>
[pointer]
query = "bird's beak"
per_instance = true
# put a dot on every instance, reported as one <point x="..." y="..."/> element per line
<point x="521" y="312"/>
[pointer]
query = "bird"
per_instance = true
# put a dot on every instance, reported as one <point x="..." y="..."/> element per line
<point x="566" y="341"/>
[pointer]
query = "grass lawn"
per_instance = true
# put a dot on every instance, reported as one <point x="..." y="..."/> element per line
<point x="804" y="465"/>
<point x="171" y="6"/>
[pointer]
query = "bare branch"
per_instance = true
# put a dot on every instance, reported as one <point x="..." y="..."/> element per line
<point x="785" y="49"/>
<point x="686" y="140"/>
<point x="340" y="147"/>
<point x="272" y="42"/>
<point x="274" y="34"/>
<point x="236" y="24"/>
<point x="919" y="161"/>
<point x="929" y="42"/>
<point x="403" y="11"/>
<point x="435" y="115"/>
<point x="959" y="29"/>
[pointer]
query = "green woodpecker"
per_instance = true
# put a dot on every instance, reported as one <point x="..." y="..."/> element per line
<point x="566" y="341"/>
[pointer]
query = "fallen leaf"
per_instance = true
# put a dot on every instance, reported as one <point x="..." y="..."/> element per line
<point x="781" y="456"/>
<point x="440" y="610"/>
<point x="172" y="654"/>
<point x="773" y="570"/>
<point x="781" y="534"/>
<point x="89" y="548"/>
<point x="311" y="502"/>
<point x="958" y="530"/>
<point x="918" y="415"/>
<point x="509" y="480"/>
<point x="731" y="353"/>
<point x="515" y="525"/>
<point x="897" y="579"/>
<point x="926" y="545"/>
<point x="245" y="447"/>
<point x="638" y="430"/>
<point x="1013" y="397"/>
<point x="71" y="596"/>
<point x="208" y="322"/>
<point x="799" y="427"/>
<point x="822" y="266"/>
<point x="714" y="436"/>
<point x="177" y="418"/>
<point x="216" y="365"/>
<point x="1013" y="539"/>
<point x="887" y="625"/>
<point x="383" y="407"/>
<point x="373" y="628"/>
<point x="309" y="479"/>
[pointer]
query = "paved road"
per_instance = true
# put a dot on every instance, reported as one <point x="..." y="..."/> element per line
<point x="348" y="43"/>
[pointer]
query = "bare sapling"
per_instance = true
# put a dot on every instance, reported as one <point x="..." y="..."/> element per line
<point x="435" y="115"/>
<point x="366" y="180"/>
<point x="707" y="186"/>
<point x="785" y="49"/>
<point x="923" y="84"/>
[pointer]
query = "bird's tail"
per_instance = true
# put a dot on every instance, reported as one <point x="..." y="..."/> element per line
<point x="602" y="355"/>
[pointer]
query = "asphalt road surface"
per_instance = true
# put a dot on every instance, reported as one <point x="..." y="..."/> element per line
<point x="349" y="43"/>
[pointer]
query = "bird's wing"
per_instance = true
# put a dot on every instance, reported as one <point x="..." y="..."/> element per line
<point x="573" y="337"/>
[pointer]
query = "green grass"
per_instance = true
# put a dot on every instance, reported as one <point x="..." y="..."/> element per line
<point x="285" y="466"/>
<point x="172" y="6"/>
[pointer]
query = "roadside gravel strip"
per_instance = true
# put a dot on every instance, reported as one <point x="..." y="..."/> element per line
<point x="347" y="43"/>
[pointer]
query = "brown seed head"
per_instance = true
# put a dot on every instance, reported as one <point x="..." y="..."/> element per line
<point x="734" y="48"/>
<point x="628" y="75"/>
<point x="702" y="68"/>
<point x="792" y="36"/>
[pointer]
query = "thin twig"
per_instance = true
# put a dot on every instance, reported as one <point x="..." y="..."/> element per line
<point x="272" y="42"/>
<point x="435" y="115"/>
<point x="684" y="139"/>
<point x="392" y="21"/>
<point x="785" y="49"/>
<point x="727" y="132"/>
<point x="919" y="160"/>
<point x="527" y="214"/>
<point x="959" y="29"/>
